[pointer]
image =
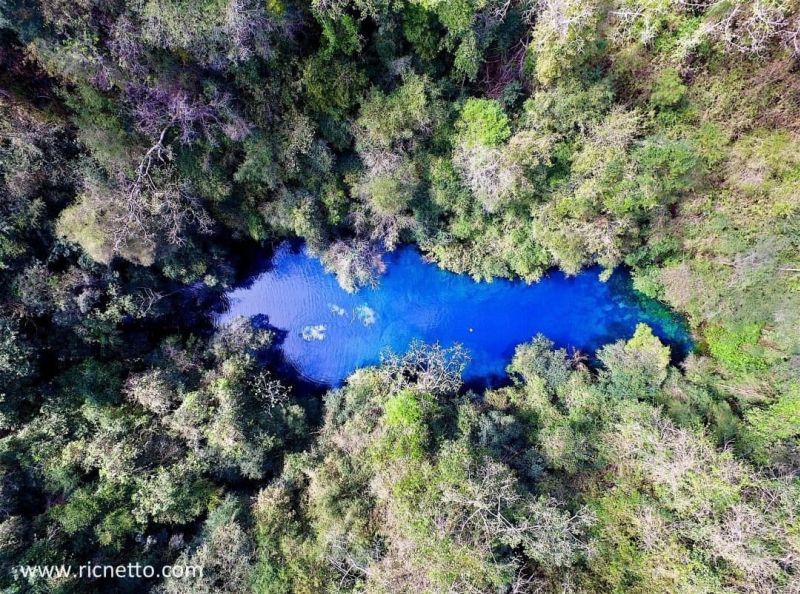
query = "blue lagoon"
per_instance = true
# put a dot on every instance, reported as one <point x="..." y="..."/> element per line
<point x="330" y="333"/>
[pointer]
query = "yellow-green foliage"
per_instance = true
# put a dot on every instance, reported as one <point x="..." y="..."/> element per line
<point x="736" y="347"/>
<point x="563" y="37"/>
<point x="400" y="116"/>
<point x="652" y="501"/>
<point x="484" y="122"/>
<point x="80" y="224"/>
<point x="773" y="429"/>
<point x="668" y="90"/>
<point x="404" y="418"/>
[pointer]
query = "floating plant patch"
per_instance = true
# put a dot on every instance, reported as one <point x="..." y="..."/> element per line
<point x="337" y="310"/>
<point x="310" y="333"/>
<point x="365" y="314"/>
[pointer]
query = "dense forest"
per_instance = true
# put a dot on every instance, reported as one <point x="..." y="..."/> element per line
<point x="148" y="148"/>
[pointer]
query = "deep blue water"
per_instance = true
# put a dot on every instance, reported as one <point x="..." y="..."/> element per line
<point x="330" y="333"/>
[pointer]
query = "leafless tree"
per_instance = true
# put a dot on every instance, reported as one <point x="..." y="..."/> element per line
<point x="185" y="116"/>
<point x="356" y="264"/>
<point x="150" y="208"/>
<point x="791" y="34"/>
<point x="217" y="39"/>
<point x="561" y="15"/>
<point x="489" y="173"/>
<point x="503" y="68"/>
<point x="352" y="565"/>
<point x="270" y="390"/>
<point x="747" y="27"/>
<point x="490" y="508"/>
<point x="152" y="389"/>
<point x="241" y="336"/>
<point x="429" y="369"/>
<point x="248" y="27"/>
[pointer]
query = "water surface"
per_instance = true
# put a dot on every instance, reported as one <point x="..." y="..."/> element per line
<point x="331" y="333"/>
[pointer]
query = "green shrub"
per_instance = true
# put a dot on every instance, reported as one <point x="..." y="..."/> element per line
<point x="668" y="89"/>
<point x="736" y="347"/>
<point x="484" y="122"/>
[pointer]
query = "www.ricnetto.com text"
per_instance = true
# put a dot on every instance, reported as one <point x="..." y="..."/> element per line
<point x="99" y="571"/>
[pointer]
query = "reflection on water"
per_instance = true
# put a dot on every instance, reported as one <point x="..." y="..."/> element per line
<point x="330" y="333"/>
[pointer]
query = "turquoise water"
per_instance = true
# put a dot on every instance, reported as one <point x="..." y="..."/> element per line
<point x="331" y="333"/>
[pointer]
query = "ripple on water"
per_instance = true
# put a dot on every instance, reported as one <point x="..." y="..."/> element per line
<point x="330" y="333"/>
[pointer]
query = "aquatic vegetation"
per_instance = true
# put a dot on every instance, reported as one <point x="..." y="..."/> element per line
<point x="365" y="314"/>
<point x="310" y="333"/>
<point x="337" y="310"/>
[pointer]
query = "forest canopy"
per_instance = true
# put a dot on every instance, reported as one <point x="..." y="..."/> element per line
<point x="149" y="148"/>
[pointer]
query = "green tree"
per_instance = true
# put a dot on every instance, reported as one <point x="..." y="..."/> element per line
<point x="635" y="369"/>
<point x="484" y="122"/>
